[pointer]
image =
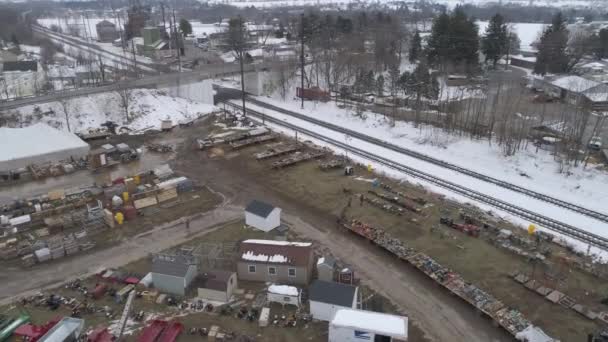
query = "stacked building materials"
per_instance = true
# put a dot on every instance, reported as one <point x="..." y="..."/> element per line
<point x="70" y="245"/>
<point x="510" y="319"/>
<point x="43" y="254"/>
<point x="276" y="151"/>
<point x="297" y="157"/>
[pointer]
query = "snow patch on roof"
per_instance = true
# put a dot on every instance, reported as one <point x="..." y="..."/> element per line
<point x="320" y="261"/>
<point x="277" y="258"/>
<point x="279" y="243"/>
<point x="574" y="83"/>
<point x="283" y="290"/>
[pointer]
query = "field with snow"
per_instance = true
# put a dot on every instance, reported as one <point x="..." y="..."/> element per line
<point x="528" y="33"/>
<point x="448" y="3"/>
<point x="536" y="171"/>
<point x="146" y="110"/>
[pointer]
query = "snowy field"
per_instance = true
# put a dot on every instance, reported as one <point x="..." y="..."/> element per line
<point x="448" y="3"/>
<point x="528" y="33"/>
<point x="588" y="188"/>
<point x="146" y="110"/>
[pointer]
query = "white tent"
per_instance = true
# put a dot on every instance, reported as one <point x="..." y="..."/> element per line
<point x="36" y="144"/>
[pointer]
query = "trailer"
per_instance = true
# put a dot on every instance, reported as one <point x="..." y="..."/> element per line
<point x="33" y="333"/>
<point x="313" y="94"/>
<point x="171" y="332"/>
<point x="152" y="331"/>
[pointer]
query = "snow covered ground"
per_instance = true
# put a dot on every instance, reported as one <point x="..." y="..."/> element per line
<point x="588" y="188"/>
<point x="528" y="33"/>
<point x="146" y="110"/>
<point x="448" y="3"/>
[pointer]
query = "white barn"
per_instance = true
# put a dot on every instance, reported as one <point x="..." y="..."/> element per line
<point x="262" y="216"/>
<point x="327" y="297"/>
<point x="37" y="144"/>
<point x="355" y="325"/>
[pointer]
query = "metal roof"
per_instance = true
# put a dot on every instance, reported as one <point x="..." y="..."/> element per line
<point x="332" y="293"/>
<point x="259" y="208"/>
<point x="20" y="66"/>
<point x="176" y="266"/>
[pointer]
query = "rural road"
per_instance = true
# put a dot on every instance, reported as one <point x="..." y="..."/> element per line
<point x="19" y="282"/>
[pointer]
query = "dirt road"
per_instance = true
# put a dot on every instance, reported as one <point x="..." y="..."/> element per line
<point x="18" y="282"/>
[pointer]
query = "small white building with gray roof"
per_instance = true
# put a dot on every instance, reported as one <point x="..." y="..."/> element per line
<point x="262" y="216"/>
<point x="173" y="273"/>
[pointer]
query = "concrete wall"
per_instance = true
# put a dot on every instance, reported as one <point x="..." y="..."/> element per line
<point x="264" y="224"/>
<point x="196" y="91"/>
<point x="302" y="273"/>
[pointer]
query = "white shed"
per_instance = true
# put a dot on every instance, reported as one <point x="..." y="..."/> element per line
<point x="262" y="216"/>
<point x="355" y="325"/>
<point x="284" y="294"/>
<point x="327" y="297"/>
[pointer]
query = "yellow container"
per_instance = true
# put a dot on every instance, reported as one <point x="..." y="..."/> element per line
<point x="125" y="196"/>
<point x="136" y="179"/>
<point x="119" y="217"/>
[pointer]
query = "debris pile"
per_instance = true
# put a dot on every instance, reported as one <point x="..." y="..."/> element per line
<point x="297" y="157"/>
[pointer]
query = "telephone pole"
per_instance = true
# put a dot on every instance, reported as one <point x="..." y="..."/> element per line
<point x="302" y="59"/>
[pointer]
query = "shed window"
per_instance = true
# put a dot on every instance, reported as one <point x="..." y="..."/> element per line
<point x="251" y="268"/>
<point x="272" y="270"/>
<point x="291" y="272"/>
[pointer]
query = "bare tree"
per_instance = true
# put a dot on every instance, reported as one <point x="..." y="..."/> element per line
<point x="64" y="102"/>
<point x="237" y="42"/>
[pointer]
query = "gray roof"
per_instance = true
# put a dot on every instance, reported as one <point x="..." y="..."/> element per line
<point x="176" y="266"/>
<point x="259" y="208"/>
<point x="20" y="66"/>
<point x="332" y="293"/>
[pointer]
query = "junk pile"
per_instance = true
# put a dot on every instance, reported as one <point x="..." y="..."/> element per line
<point x="554" y="296"/>
<point x="159" y="148"/>
<point x="395" y="200"/>
<point x="252" y="141"/>
<point x="388" y="188"/>
<point x="510" y="319"/>
<point x="379" y="204"/>
<point x="332" y="164"/>
<point x="296" y="158"/>
<point x="276" y="151"/>
<point x="469" y="229"/>
<point x="109" y="155"/>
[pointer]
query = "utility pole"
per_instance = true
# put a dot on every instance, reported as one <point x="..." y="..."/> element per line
<point x="241" y="56"/>
<point x="177" y="45"/>
<point x="302" y="59"/>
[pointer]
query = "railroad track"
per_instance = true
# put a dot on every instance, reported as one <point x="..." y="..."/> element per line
<point x="531" y="216"/>
<point x="567" y="205"/>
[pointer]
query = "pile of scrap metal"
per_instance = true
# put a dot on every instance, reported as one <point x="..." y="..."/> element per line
<point x="160" y="148"/>
<point x="554" y="295"/>
<point x="296" y="158"/>
<point x="510" y="319"/>
<point x="388" y="188"/>
<point x="252" y="141"/>
<point x="337" y="163"/>
<point x="397" y="201"/>
<point x="379" y="204"/>
<point x="469" y="229"/>
<point x="276" y="151"/>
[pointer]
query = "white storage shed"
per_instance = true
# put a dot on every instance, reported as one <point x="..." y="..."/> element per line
<point x="350" y="325"/>
<point x="284" y="294"/>
<point x="326" y="298"/>
<point x="262" y="216"/>
<point x="37" y="144"/>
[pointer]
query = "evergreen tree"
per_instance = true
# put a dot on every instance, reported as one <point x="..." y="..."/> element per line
<point x="454" y="39"/>
<point x="496" y="40"/>
<point x="438" y="41"/>
<point x="185" y="27"/>
<point x="380" y="85"/>
<point x="402" y="82"/>
<point x="369" y="81"/>
<point x="552" y="57"/>
<point x="14" y="40"/>
<point x="599" y="42"/>
<point x="416" y="47"/>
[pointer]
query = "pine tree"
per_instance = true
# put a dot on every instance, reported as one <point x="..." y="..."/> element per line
<point x="415" y="47"/>
<point x="552" y="57"/>
<point x="380" y="85"/>
<point x="185" y="27"/>
<point x="495" y="42"/>
<point x="438" y="42"/>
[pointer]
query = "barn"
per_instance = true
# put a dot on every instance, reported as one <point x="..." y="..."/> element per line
<point x="326" y="298"/>
<point x="262" y="216"/>
<point x="37" y="144"/>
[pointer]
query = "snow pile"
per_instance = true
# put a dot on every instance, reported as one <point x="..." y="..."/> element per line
<point x="279" y="243"/>
<point x="320" y="261"/>
<point x="391" y="325"/>
<point x="533" y="334"/>
<point x="277" y="258"/>
<point x="283" y="290"/>
<point x="146" y="109"/>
